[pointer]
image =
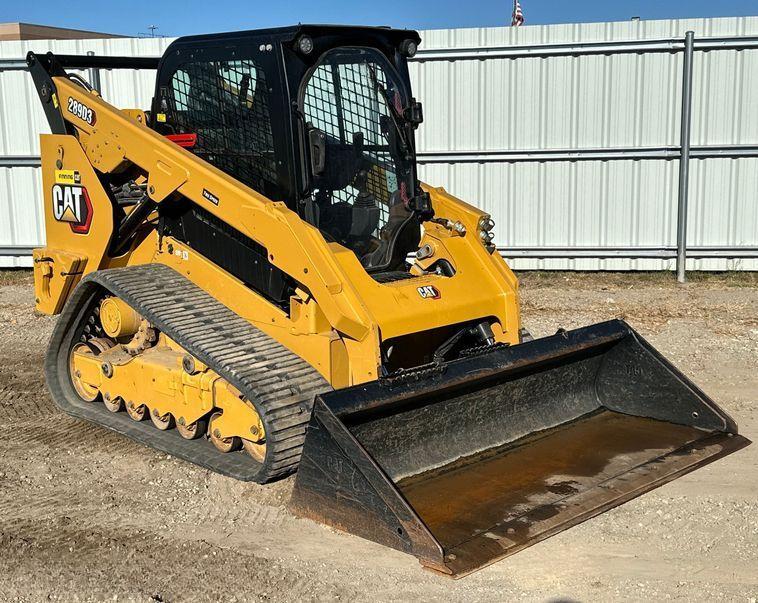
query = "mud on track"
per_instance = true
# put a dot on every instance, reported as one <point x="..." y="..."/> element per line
<point x="88" y="515"/>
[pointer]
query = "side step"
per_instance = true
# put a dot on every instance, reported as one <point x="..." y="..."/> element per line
<point x="280" y="383"/>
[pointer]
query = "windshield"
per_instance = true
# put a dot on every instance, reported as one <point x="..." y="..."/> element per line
<point x="361" y="157"/>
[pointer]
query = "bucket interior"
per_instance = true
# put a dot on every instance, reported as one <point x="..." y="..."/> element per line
<point x="525" y="481"/>
<point x="496" y="452"/>
<point x="489" y="465"/>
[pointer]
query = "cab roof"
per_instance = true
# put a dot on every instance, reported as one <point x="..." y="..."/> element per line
<point x="346" y="34"/>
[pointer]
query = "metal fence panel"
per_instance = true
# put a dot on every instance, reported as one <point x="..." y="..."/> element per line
<point x="599" y="101"/>
<point x="22" y="121"/>
<point x="22" y="222"/>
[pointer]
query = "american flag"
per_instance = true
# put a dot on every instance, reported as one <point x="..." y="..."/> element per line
<point x="518" y="15"/>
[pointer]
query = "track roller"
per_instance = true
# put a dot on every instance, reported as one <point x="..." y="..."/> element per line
<point x="162" y="422"/>
<point x="222" y="444"/>
<point x="193" y="430"/>
<point x="113" y="403"/>
<point x="138" y="412"/>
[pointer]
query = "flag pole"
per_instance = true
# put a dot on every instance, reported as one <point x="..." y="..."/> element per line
<point x="517" y="19"/>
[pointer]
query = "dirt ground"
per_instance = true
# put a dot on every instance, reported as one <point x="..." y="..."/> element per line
<point x="86" y="515"/>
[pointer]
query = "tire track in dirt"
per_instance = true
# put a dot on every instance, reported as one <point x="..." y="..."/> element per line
<point x="23" y="393"/>
<point x="91" y="515"/>
<point x="21" y="405"/>
<point x="61" y="433"/>
<point x="23" y="342"/>
<point x="115" y="562"/>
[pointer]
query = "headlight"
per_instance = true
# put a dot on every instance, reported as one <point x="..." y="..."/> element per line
<point x="408" y="48"/>
<point x="486" y="223"/>
<point x="305" y="44"/>
<point x="486" y="236"/>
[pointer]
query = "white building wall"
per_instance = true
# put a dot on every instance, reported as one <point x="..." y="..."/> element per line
<point x="601" y="101"/>
<point x="22" y="120"/>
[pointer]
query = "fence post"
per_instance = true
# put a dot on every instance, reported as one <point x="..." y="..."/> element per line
<point x="684" y="160"/>
<point x="94" y="74"/>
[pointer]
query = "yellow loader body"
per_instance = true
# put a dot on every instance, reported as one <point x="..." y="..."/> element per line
<point x="250" y="276"/>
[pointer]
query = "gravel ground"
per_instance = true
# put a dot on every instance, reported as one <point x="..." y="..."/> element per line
<point x="90" y="516"/>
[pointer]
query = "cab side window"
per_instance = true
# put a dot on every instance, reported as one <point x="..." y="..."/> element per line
<point x="227" y="105"/>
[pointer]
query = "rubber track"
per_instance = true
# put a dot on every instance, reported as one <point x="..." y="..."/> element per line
<point x="280" y="384"/>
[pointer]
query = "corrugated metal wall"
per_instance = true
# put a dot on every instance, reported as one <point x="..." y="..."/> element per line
<point x="22" y="121"/>
<point x="601" y="101"/>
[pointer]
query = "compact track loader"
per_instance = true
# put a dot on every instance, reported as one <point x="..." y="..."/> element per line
<point x="251" y="277"/>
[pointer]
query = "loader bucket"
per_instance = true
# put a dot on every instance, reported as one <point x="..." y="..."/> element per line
<point x="499" y="451"/>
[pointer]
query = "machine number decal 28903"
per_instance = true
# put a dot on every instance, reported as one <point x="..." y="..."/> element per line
<point x="82" y="111"/>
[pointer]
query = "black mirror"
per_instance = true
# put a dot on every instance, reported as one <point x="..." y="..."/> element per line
<point x="317" y="142"/>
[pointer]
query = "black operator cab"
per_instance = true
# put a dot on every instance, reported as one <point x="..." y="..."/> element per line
<point x="320" y="117"/>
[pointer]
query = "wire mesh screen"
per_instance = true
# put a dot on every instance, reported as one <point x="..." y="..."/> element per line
<point x="226" y="103"/>
<point x="342" y="100"/>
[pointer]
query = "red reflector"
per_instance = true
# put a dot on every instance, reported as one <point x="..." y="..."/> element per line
<point x="183" y="140"/>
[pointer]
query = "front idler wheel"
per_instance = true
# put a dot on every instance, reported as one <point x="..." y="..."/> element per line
<point x="85" y="391"/>
<point x="257" y="450"/>
<point x="256" y="447"/>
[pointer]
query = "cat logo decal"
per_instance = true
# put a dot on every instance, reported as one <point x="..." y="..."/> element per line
<point x="428" y="292"/>
<point x="72" y="204"/>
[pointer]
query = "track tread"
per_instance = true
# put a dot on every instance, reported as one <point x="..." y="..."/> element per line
<point x="281" y="384"/>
